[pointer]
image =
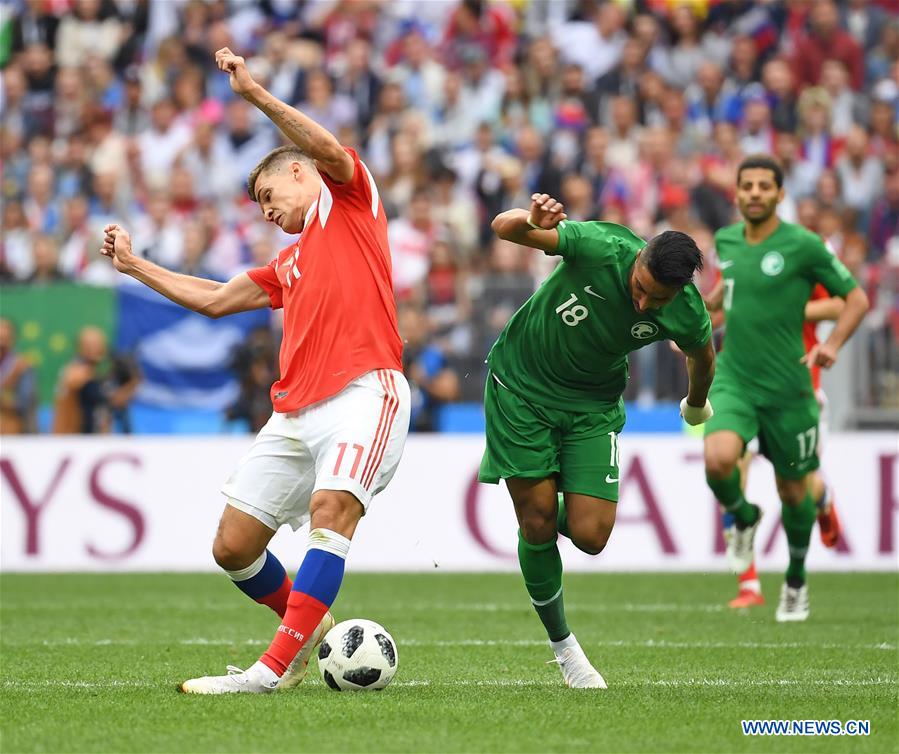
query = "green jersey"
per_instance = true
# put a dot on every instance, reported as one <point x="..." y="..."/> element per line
<point x="567" y="346"/>
<point x="766" y="288"/>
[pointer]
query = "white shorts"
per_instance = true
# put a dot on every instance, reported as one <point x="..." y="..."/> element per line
<point x="352" y="441"/>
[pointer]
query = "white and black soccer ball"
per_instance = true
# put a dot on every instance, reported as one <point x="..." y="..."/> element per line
<point x="357" y="655"/>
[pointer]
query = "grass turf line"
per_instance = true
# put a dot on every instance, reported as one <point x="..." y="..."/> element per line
<point x="90" y="664"/>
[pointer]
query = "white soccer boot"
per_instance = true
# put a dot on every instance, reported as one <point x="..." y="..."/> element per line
<point x="256" y="679"/>
<point x="577" y="670"/>
<point x="740" y="546"/>
<point x="793" y="605"/>
<point x="297" y="669"/>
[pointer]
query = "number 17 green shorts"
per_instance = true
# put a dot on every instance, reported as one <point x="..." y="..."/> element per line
<point x="532" y="441"/>
<point x="788" y="434"/>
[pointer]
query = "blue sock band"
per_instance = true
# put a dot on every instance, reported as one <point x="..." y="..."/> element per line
<point x="321" y="571"/>
<point x="728" y="520"/>
<point x="320" y="575"/>
<point x="267" y="581"/>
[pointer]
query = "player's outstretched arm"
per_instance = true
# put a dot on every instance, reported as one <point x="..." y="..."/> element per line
<point x="207" y="297"/>
<point x="714" y="301"/>
<point x="535" y="227"/>
<point x="825" y="354"/>
<point x="695" y="408"/>
<point x="315" y="140"/>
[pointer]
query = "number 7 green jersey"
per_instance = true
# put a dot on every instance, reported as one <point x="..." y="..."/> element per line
<point x="567" y="346"/>
<point x="766" y="288"/>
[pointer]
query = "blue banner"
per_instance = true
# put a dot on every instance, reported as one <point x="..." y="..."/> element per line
<point x="186" y="358"/>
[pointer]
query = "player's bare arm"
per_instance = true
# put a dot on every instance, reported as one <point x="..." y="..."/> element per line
<point x="208" y="297"/>
<point x="695" y="408"/>
<point x="715" y="299"/>
<point x="319" y="143"/>
<point x="825" y="354"/>
<point x="534" y="227"/>
<point x="824" y="309"/>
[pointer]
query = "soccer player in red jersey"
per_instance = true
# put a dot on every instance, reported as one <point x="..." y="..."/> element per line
<point x="341" y="406"/>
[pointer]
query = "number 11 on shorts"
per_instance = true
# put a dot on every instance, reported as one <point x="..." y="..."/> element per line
<point x="343" y="446"/>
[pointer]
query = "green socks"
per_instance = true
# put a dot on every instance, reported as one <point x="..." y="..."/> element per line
<point x="731" y="497"/>
<point x="798" y="522"/>
<point x="541" y="567"/>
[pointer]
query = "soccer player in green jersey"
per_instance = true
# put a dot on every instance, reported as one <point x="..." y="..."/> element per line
<point x="763" y="387"/>
<point x="553" y="394"/>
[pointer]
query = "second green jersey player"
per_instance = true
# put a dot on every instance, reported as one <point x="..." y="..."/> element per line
<point x="763" y="387"/>
<point x="556" y="376"/>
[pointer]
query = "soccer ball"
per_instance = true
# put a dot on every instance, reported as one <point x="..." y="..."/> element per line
<point x="357" y="655"/>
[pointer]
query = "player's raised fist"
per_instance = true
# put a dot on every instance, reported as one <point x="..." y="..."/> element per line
<point x="117" y="246"/>
<point x="546" y="212"/>
<point x="241" y="81"/>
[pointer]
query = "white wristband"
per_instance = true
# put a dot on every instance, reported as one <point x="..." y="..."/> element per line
<point x="694" y="415"/>
<point x="533" y="224"/>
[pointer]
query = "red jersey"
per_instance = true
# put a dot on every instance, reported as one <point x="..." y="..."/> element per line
<point x="810" y="334"/>
<point x="335" y="285"/>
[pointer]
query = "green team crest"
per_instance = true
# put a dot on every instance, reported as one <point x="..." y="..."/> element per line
<point x="773" y="263"/>
<point x="644" y="330"/>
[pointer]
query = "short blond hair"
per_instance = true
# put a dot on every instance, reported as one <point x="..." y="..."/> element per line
<point x="274" y="160"/>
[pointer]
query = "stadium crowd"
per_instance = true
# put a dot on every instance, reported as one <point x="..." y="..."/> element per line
<point x="635" y="112"/>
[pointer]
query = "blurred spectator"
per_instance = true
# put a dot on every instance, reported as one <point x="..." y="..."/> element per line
<point x="884" y="222"/>
<point x="18" y="386"/>
<point x="45" y="255"/>
<point x="690" y="49"/>
<point x="255" y="363"/>
<point x="87" y="30"/>
<point x="711" y="99"/>
<point x="826" y="40"/>
<point x="861" y="173"/>
<point x="477" y="25"/>
<point x="779" y="83"/>
<point x="432" y="381"/>
<point x="89" y="396"/>
<point x="595" y="42"/>
<point x="847" y="107"/>
<point x="411" y="237"/>
<point x="818" y="145"/>
<point x="161" y="143"/>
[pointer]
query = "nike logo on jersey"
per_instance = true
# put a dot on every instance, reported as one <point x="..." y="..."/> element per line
<point x="610" y="480"/>
<point x="725" y="264"/>
<point x="589" y="290"/>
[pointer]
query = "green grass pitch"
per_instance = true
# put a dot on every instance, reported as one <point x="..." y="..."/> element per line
<point x="90" y="663"/>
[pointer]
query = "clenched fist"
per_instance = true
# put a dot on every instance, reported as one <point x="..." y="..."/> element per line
<point x="117" y="246"/>
<point x="241" y="81"/>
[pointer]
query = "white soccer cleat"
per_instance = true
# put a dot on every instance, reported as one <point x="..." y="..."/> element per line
<point x="740" y="546"/>
<point x="253" y="680"/>
<point x="577" y="670"/>
<point x="297" y="669"/>
<point x="793" y="605"/>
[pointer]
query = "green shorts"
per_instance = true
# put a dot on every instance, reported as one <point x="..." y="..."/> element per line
<point x="788" y="434"/>
<point x="529" y="440"/>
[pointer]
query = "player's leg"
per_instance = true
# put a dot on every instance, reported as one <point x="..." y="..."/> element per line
<point x="535" y="503"/>
<point x="523" y="448"/>
<point x="749" y="588"/>
<point x="829" y="526"/>
<point x="357" y="439"/>
<point x="726" y="436"/>
<point x="266" y="478"/>
<point x="346" y="450"/>
<point x="790" y="439"/>
<point x="240" y="550"/>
